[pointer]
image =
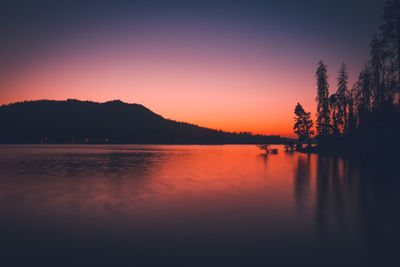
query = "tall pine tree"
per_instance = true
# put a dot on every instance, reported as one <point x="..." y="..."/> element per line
<point x="391" y="39"/>
<point x="341" y="95"/>
<point x="377" y="65"/>
<point x="323" y="109"/>
<point x="303" y="124"/>
<point x="336" y="114"/>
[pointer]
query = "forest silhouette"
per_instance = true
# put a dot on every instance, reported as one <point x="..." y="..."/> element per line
<point x="115" y="122"/>
<point x="365" y="117"/>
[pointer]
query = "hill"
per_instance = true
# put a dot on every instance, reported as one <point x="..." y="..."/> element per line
<point x="74" y="121"/>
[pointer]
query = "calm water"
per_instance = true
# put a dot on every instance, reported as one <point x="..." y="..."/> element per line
<point x="64" y="205"/>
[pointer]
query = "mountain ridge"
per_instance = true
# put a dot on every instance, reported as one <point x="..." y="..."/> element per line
<point x="76" y="121"/>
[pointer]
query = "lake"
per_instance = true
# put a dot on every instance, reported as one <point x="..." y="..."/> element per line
<point x="145" y="205"/>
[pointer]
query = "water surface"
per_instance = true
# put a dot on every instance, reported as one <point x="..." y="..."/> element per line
<point x="131" y="205"/>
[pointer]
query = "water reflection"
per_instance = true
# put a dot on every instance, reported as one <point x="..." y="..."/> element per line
<point x="302" y="182"/>
<point x="356" y="207"/>
<point x="194" y="206"/>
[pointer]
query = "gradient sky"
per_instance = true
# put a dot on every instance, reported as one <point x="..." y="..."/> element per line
<point x="231" y="65"/>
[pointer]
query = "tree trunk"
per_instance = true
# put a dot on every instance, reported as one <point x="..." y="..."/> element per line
<point x="398" y="41"/>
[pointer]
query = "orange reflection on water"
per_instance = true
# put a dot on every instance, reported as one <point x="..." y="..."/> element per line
<point x="198" y="202"/>
<point x="98" y="181"/>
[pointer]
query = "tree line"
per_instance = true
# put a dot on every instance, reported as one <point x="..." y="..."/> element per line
<point x="113" y="122"/>
<point x="366" y="115"/>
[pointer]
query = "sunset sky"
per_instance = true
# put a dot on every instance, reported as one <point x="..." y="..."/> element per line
<point x="230" y="65"/>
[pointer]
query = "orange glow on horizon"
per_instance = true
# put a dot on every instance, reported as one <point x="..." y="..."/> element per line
<point x="210" y="85"/>
<point x="219" y="97"/>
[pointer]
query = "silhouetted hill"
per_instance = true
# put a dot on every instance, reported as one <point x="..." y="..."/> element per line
<point x="74" y="121"/>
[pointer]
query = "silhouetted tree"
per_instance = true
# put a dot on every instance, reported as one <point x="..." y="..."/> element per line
<point x="377" y="64"/>
<point x="363" y="97"/>
<point x="336" y="112"/>
<point x="341" y="97"/>
<point x="351" y="125"/>
<point x="391" y="39"/>
<point x="323" y="110"/>
<point x="303" y="124"/>
<point x="363" y="90"/>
